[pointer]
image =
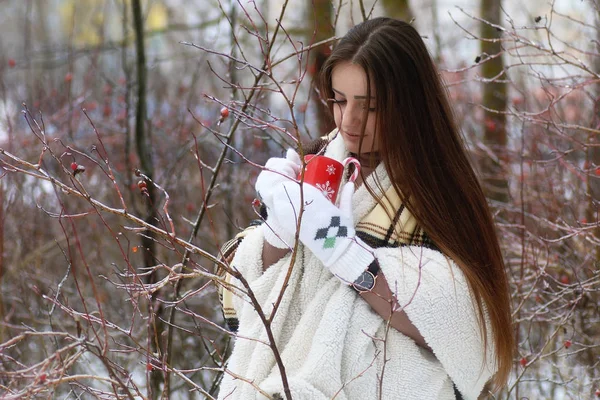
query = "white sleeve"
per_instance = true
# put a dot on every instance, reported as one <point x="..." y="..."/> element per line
<point x="436" y="298"/>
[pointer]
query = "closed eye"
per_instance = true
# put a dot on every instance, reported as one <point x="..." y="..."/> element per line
<point x="371" y="109"/>
<point x="344" y="101"/>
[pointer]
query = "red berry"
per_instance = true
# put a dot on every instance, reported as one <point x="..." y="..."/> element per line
<point x="567" y="344"/>
<point x="106" y="111"/>
<point x="68" y="77"/>
<point x="586" y="165"/>
<point x="564" y="279"/>
<point x="73" y="165"/>
<point x="12" y="63"/>
<point x="517" y="100"/>
<point x="143" y="186"/>
<point x="78" y="170"/>
<point x="490" y="125"/>
<point x="523" y="362"/>
<point x="43" y="378"/>
<point x="224" y="112"/>
<point x="149" y="367"/>
<point x="256" y="203"/>
<point x="597" y="171"/>
<point x="121" y="116"/>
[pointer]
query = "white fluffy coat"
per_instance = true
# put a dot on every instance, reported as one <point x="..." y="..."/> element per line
<point x="332" y="343"/>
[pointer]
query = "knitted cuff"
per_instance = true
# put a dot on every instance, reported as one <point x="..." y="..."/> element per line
<point x="277" y="236"/>
<point x="353" y="262"/>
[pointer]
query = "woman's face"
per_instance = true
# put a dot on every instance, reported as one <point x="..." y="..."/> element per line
<point x="349" y="83"/>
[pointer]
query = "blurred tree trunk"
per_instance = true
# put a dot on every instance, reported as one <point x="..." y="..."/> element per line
<point x="593" y="152"/>
<point x="321" y="13"/>
<point x="27" y="43"/>
<point x="436" y="32"/>
<point x="494" y="98"/>
<point x="127" y="72"/>
<point x="590" y="331"/>
<point x="399" y="9"/>
<point x="231" y="176"/>
<point x="2" y="311"/>
<point x="144" y="150"/>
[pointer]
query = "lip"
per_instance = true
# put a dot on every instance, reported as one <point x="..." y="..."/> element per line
<point x="352" y="134"/>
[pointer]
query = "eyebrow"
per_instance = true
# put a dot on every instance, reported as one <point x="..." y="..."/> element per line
<point x="356" y="97"/>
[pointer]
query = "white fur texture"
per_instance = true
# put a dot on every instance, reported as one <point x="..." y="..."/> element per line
<point x="334" y="346"/>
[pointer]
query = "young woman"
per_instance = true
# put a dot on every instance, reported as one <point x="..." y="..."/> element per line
<point x="407" y="298"/>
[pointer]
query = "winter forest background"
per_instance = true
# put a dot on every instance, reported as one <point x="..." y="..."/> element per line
<point x="131" y="132"/>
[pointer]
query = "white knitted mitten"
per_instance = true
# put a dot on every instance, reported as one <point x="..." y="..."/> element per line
<point x="328" y="231"/>
<point x="276" y="171"/>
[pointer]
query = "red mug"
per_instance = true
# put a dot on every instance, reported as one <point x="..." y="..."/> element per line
<point x="326" y="174"/>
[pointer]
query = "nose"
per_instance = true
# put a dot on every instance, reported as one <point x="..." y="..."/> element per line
<point x="352" y="117"/>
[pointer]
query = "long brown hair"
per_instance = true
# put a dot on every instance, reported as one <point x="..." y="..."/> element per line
<point x="426" y="160"/>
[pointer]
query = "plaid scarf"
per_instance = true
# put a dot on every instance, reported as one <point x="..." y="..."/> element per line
<point x="377" y="229"/>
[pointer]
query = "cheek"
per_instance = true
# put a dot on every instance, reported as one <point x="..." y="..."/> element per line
<point x="372" y="124"/>
<point x="337" y="116"/>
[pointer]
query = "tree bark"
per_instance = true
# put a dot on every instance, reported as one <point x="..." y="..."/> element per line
<point x="494" y="99"/>
<point x="2" y="311"/>
<point x="322" y="14"/>
<point x="144" y="151"/>
<point x="399" y="9"/>
<point x="436" y="32"/>
<point x="593" y="152"/>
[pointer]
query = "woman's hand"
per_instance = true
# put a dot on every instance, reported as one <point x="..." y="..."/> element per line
<point x="277" y="171"/>
<point x="328" y="231"/>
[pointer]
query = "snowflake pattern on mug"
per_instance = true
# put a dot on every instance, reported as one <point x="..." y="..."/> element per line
<point x="330" y="169"/>
<point x="326" y="189"/>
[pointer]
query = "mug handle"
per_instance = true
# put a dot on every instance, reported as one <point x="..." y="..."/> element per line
<point x="352" y="160"/>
